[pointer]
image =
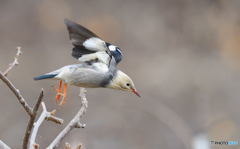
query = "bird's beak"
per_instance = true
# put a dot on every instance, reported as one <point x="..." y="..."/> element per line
<point x="135" y="92"/>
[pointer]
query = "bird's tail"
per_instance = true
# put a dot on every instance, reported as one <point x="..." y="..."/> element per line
<point x="45" y="76"/>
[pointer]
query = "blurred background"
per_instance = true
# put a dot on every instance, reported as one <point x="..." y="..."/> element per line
<point x="183" y="55"/>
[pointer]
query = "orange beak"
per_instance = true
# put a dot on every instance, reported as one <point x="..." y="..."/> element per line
<point x="135" y="92"/>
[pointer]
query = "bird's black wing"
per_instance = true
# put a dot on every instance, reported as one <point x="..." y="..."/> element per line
<point x="79" y="51"/>
<point x="77" y="33"/>
<point x="83" y="40"/>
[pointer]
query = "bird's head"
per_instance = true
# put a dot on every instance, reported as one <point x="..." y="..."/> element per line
<point x="123" y="82"/>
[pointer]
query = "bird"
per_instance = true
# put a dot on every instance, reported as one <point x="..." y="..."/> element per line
<point x="97" y="68"/>
<point x="95" y="75"/>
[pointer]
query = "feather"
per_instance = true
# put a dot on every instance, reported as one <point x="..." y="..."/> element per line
<point x="117" y="54"/>
<point x="84" y="41"/>
<point x="77" y="33"/>
<point x="46" y="76"/>
<point x="79" y="51"/>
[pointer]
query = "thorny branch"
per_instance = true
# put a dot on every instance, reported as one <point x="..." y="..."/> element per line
<point x="10" y="85"/>
<point x="74" y="123"/>
<point x="14" y="63"/>
<point x="50" y="117"/>
<point x="32" y="112"/>
<point x="17" y="93"/>
<point x="31" y="121"/>
<point x="44" y="115"/>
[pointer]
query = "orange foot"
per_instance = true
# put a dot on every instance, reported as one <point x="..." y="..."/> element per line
<point x="62" y="93"/>
<point x="59" y="91"/>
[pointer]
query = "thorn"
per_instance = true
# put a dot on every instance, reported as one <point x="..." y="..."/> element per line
<point x="80" y="125"/>
<point x="67" y="146"/>
<point x="19" y="52"/>
<point x="53" y="112"/>
<point x="36" y="146"/>
<point x="79" y="146"/>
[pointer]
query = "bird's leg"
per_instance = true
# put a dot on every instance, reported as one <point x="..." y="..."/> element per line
<point x="64" y="94"/>
<point x="59" y="91"/>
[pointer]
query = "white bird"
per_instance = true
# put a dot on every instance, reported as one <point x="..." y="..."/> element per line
<point x="90" y="76"/>
<point x="97" y="68"/>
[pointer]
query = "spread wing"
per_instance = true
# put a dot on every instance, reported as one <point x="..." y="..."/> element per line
<point x="88" y="47"/>
<point x="83" y="40"/>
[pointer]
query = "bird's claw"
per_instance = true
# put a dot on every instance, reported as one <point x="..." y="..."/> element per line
<point x="58" y="95"/>
<point x="59" y="100"/>
<point x="61" y="93"/>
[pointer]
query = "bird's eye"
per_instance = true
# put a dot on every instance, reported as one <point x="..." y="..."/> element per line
<point x="128" y="84"/>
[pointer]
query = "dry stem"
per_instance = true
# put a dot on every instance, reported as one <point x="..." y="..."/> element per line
<point x="74" y="123"/>
<point x="44" y="115"/>
<point x="14" y="63"/>
<point x="3" y="145"/>
<point x="31" y="112"/>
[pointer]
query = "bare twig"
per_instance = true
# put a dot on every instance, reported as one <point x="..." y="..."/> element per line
<point x="3" y="145"/>
<point x="31" y="120"/>
<point x="74" y="123"/>
<point x="44" y="115"/>
<point x="14" y="63"/>
<point x="32" y="126"/>
<point x="31" y="112"/>
<point x="17" y="93"/>
<point x="54" y="119"/>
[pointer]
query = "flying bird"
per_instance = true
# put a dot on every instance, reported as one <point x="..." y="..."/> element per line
<point x="97" y="67"/>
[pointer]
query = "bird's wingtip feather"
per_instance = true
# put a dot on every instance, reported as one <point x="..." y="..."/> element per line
<point x="66" y="21"/>
<point x="69" y="23"/>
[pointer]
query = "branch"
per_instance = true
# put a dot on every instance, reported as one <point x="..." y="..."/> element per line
<point x="74" y="123"/>
<point x="17" y="93"/>
<point x="15" y="61"/>
<point x="31" y="112"/>
<point x="53" y="118"/>
<point x="3" y="145"/>
<point x="31" y="125"/>
<point x="31" y="121"/>
<point x="44" y="115"/>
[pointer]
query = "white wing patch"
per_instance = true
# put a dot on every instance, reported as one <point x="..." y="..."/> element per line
<point x="102" y="57"/>
<point x="95" y="44"/>
<point x="101" y="67"/>
<point x="88" y="57"/>
<point x="112" y="47"/>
